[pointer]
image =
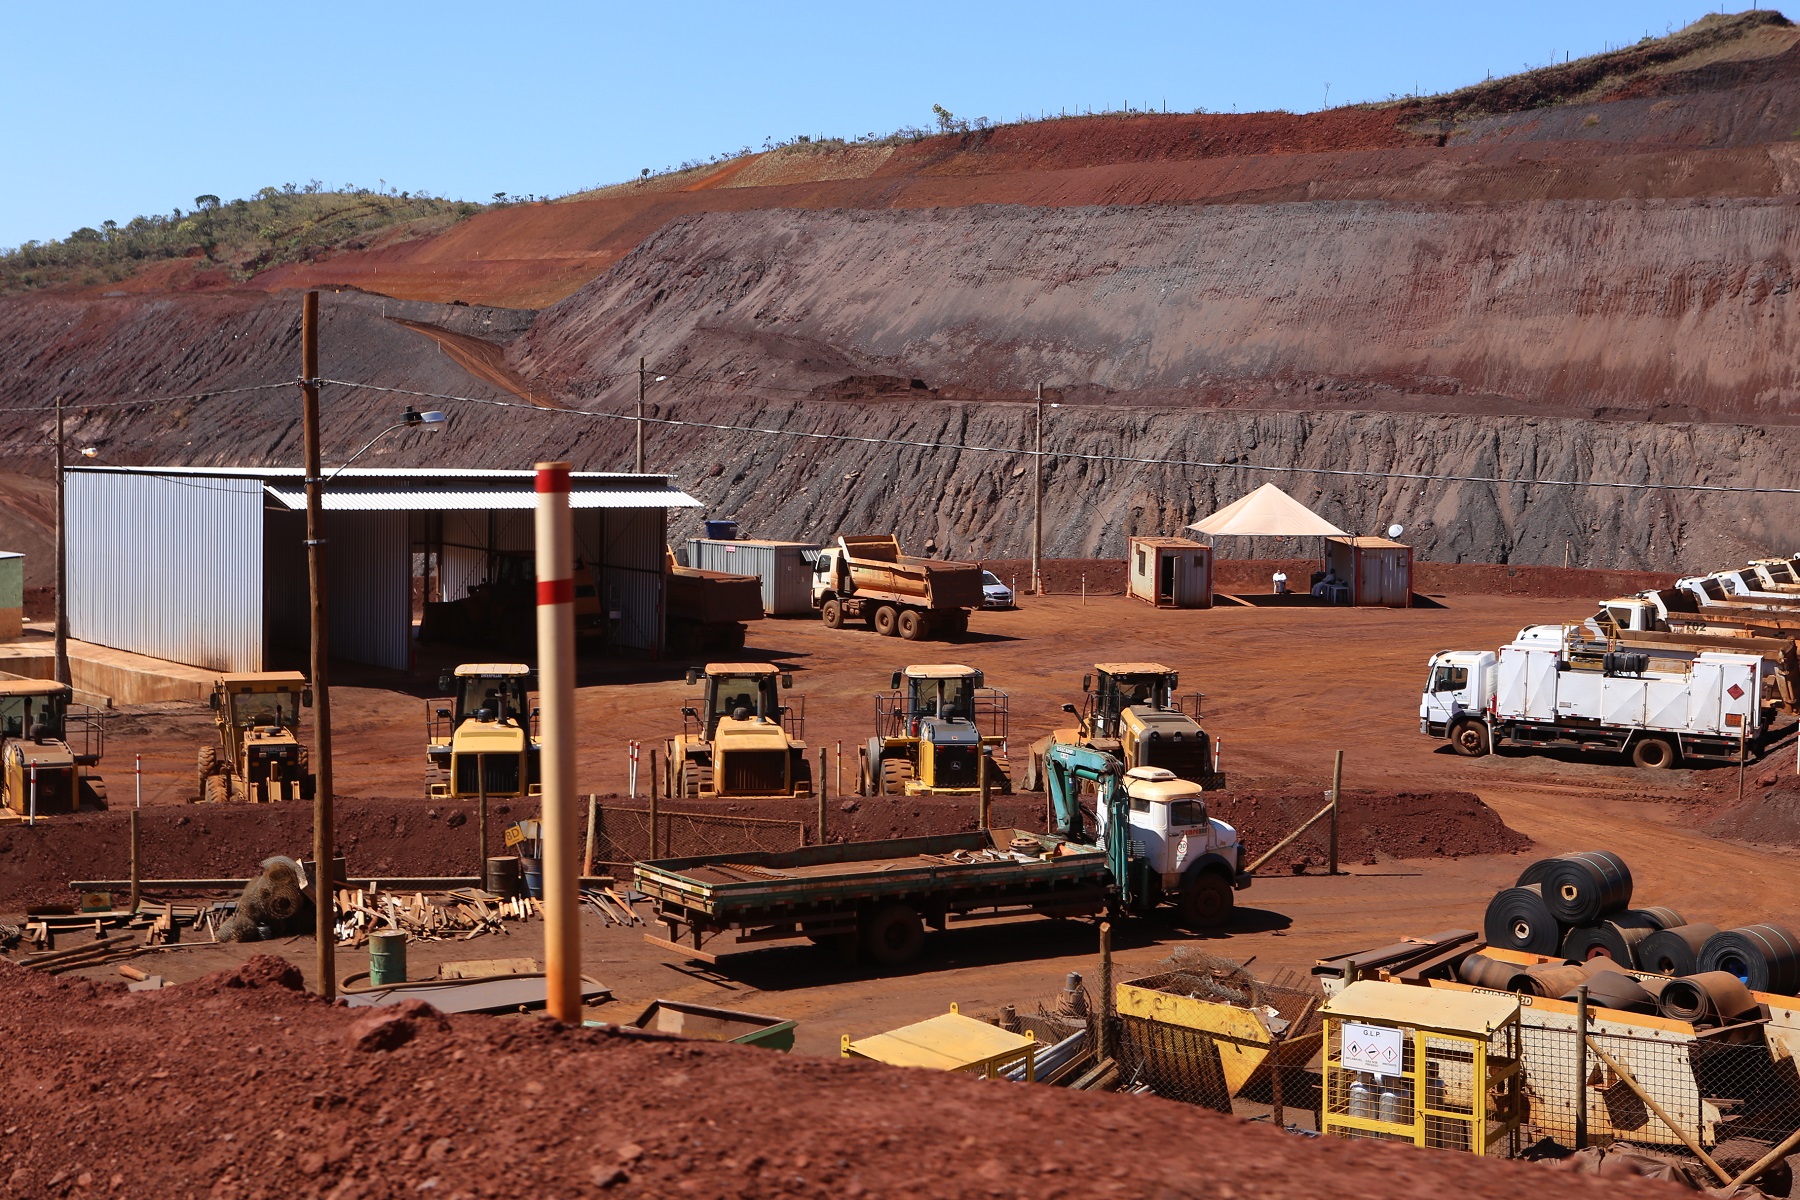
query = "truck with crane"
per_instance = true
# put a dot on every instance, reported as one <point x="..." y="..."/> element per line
<point x="1151" y="842"/>
<point x="865" y="577"/>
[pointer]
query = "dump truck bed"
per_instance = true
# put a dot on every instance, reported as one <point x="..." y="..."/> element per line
<point x="880" y="572"/>
<point x="713" y="597"/>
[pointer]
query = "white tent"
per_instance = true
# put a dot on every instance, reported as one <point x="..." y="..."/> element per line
<point x="1267" y="512"/>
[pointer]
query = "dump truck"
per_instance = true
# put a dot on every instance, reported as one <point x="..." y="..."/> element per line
<point x="1556" y="690"/>
<point x="259" y="756"/>
<point x="929" y="738"/>
<point x="47" y="739"/>
<point x="1133" y="713"/>
<point x="867" y="578"/>
<point x="875" y="899"/>
<point x="481" y="740"/>
<point x="708" y="610"/>
<point x="743" y="741"/>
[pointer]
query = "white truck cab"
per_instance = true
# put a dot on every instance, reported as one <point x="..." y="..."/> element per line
<point x="1170" y="827"/>
<point x="1459" y="684"/>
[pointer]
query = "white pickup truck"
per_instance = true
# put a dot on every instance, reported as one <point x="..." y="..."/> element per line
<point x="1554" y="687"/>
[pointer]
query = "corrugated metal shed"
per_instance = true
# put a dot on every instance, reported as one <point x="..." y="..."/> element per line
<point x="12" y="595"/>
<point x="785" y="568"/>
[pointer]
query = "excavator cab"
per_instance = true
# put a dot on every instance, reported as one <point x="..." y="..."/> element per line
<point x="928" y="736"/>
<point x="743" y="740"/>
<point x="479" y="738"/>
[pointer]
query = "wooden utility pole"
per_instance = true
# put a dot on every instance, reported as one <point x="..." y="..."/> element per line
<point x="640" y="418"/>
<point x="1337" y="784"/>
<point x="1037" y="500"/>
<point x="60" y="668"/>
<point x="324" y="842"/>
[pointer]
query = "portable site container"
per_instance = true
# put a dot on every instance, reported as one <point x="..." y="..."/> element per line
<point x="1169" y="572"/>
<point x="1377" y="571"/>
<point x="12" y="595"/>
<point x="785" y="568"/>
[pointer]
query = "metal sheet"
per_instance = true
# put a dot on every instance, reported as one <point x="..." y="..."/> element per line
<point x="782" y="566"/>
<point x="368" y="571"/>
<point x="437" y="497"/>
<point x="168" y="565"/>
<point x="631" y="576"/>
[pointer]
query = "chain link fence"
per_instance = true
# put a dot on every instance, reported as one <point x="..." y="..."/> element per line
<point x="621" y="835"/>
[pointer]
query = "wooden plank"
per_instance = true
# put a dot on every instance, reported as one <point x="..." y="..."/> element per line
<point x="686" y="951"/>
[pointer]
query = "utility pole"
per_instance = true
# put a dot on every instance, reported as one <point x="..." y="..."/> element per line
<point x="555" y="551"/>
<point x="60" y="668"/>
<point x="1037" y="500"/>
<point x="640" y="418"/>
<point x="324" y="879"/>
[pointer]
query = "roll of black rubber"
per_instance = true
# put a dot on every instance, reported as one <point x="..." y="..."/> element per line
<point x="1534" y="873"/>
<point x="1610" y="989"/>
<point x="1676" y="950"/>
<point x="1709" y="998"/>
<point x="1765" y="957"/>
<point x="1605" y="939"/>
<point x="1656" y="918"/>
<point x="1478" y="970"/>
<point x="1519" y="919"/>
<point x="1582" y="888"/>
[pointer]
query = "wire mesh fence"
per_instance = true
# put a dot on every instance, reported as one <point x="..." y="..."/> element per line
<point x="622" y="834"/>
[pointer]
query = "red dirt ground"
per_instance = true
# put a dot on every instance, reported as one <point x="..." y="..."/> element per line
<point x="236" y="1087"/>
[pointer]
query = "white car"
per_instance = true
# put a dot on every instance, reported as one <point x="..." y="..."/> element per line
<point x="995" y="594"/>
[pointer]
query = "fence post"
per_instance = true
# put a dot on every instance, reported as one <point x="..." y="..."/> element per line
<point x="587" y="859"/>
<point x="840" y="768"/>
<point x="1337" y="783"/>
<point x="653" y="853"/>
<point x="1103" y="1050"/>
<point x="1581" y="1069"/>
<point x="820" y="789"/>
<point x="981" y="765"/>
<point x="654" y="777"/>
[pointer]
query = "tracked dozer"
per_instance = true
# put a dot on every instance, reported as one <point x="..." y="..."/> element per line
<point x="46" y="746"/>
<point x="480" y="739"/>
<point x="929" y="736"/>
<point x="1132" y="713"/>
<point x="744" y="741"/>
<point x="259" y="756"/>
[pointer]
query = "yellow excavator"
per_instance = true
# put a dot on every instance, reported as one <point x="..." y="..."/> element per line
<point x="744" y="741"/>
<point x="480" y="739"/>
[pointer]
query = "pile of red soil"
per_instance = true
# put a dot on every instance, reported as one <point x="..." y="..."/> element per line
<point x="1371" y="825"/>
<point x="236" y="1086"/>
<point x="1770" y="813"/>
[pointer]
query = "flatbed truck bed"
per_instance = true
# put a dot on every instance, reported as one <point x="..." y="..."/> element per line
<point x="871" y="899"/>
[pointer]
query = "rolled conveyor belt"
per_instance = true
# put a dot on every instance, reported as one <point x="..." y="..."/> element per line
<point x="1581" y="888"/>
<point x="1675" y="951"/>
<point x="1766" y="958"/>
<point x="1518" y="918"/>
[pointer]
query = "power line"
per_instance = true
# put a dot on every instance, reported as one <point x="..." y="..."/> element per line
<point x="209" y="394"/>
<point x="1124" y="459"/>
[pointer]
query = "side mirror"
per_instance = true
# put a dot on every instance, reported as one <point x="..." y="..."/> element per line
<point x="446" y="681"/>
<point x="787" y="679"/>
<point x="894" y="683"/>
<point x="305" y="697"/>
<point x="1174" y="680"/>
<point x="215" y="702"/>
<point x="693" y="676"/>
<point x="688" y="712"/>
<point x="534" y="711"/>
<point x="444" y="713"/>
<point x="1068" y="708"/>
<point x="1087" y="683"/>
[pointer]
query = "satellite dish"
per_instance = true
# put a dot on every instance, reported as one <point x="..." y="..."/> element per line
<point x="1395" y="531"/>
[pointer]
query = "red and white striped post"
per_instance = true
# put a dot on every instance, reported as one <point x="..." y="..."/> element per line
<point x="556" y="697"/>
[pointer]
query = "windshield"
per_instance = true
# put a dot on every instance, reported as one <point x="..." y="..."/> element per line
<point x="498" y="699"/>
<point x="737" y="696"/>
<point x="265" y="708"/>
<point x="20" y="714"/>
<point x="1141" y="689"/>
<point x="948" y="698"/>
<point x="991" y="579"/>
<point x="1186" y="812"/>
<point x="1446" y="678"/>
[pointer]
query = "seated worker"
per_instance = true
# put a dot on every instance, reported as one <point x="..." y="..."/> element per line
<point x="1324" y="586"/>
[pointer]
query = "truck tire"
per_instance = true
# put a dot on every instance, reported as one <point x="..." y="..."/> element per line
<point x="1470" y="739"/>
<point x="886" y="620"/>
<point x="694" y="779"/>
<point x="1653" y="753"/>
<point x="892" y="934"/>
<point x="896" y="773"/>
<point x="832" y="613"/>
<point x="216" y="789"/>
<point x="911" y="625"/>
<point x="1206" y="901"/>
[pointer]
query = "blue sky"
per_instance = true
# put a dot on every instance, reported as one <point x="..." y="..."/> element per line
<point x="117" y="109"/>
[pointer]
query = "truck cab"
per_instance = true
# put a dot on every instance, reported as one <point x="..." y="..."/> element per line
<point x="928" y="736"/>
<point x="742" y="740"/>
<point x="1459" y="689"/>
<point x="1170" y="828"/>
<point x="479" y="738"/>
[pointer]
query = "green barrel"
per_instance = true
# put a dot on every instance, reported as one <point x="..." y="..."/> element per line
<point x="387" y="957"/>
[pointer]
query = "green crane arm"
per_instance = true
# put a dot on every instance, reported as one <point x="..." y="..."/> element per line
<point x="1065" y="766"/>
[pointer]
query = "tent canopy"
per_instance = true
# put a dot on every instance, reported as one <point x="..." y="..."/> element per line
<point x="1267" y="512"/>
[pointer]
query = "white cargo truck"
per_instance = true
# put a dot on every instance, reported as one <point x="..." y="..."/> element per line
<point x="1553" y="688"/>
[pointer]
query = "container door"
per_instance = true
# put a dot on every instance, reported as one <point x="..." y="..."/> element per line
<point x="1706" y="687"/>
<point x="1165" y="577"/>
<point x="1623" y="701"/>
<point x="1666" y="703"/>
<point x="1540" y="684"/>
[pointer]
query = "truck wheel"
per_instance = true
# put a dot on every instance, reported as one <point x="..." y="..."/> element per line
<point x="1206" y="901"/>
<point x="207" y="761"/>
<point x="892" y="934"/>
<point x="911" y="624"/>
<point x="895" y="774"/>
<point x="1653" y="753"/>
<point x="887" y="620"/>
<point x="832" y="613"/>
<point x="1470" y="739"/>
<point x="216" y="789"/>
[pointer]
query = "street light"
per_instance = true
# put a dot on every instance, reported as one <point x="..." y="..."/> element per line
<point x="643" y="371"/>
<point x="433" y="421"/>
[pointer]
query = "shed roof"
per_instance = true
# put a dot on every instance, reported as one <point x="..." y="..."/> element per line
<point x="1267" y="512"/>
<point x="1369" y="543"/>
<point x="420" y="489"/>
<point x="1421" y="1007"/>
<point x="1168" y="543"/>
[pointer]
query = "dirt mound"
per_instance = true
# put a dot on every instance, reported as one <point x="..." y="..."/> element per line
<point x="1371" y="825"/>
<point x="273" y="1085"/>
<point x="1769" y="815"/>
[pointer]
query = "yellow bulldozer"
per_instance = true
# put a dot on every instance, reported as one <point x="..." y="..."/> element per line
<point x="481" y="739"/>
<point x="744" y="741"/>
<point x="1132" y="712"/>
<point x="259" y="756"/>
<point x="929" y="736"/>
<point x="45" y="748"/>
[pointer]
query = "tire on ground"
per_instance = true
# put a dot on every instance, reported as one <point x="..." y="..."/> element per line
<point x="892" y="934"/>
<point x="217" y="789"/>
<point x="1653" y="753"/>
<point x="911" y="624"/>
<point x="1470" y="739"/>
<point x="886" y="620"/>
<point x="832" y="613"/>
<point x="1206" y="900"/>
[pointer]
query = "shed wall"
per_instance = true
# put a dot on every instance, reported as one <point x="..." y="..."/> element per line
<point x="369" y="576"/>
<point x="631" y="574"/>
<point x="168" y="567"/>
<point x="786" y="575"/>
<point x="12" y="596"/>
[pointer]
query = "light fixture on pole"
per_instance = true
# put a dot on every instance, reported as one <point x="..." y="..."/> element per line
<point x="433" y="421"/>
<point x="643" y="371"/>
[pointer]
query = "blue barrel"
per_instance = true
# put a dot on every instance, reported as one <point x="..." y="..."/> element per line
<point x="534" y="876"/>
<point x="387" y="957"/>
<point x="723" y="531"/>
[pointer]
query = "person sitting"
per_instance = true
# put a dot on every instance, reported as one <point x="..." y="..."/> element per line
<point x="1326" y="585"/>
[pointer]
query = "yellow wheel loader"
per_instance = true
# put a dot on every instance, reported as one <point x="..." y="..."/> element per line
<point x="743" y="741"/>
<point x="480" y="740"/>
<point x="929" y="736"/>
<point x="1133" y="714"/>
<point x="259" y="756"/>
<point x="45" y="748"/>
